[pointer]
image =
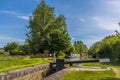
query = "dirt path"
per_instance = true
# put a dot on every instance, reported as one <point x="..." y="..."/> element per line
<point x="117" y="71"/>
<point x="89" y="68"/>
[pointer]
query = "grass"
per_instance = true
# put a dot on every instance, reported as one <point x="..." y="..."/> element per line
<point x="94" y="75"/>
<point x="7" y="64"/>
<point x="90" y="75"/>
<point x="103" y="65"/>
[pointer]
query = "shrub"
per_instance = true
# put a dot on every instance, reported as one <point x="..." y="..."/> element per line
<point x="1" y="51"/>
<point x="16" y="49"/>
<point x="61" y="54"/>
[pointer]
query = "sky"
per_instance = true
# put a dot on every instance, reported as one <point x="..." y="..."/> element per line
<point x="87" y="20"/>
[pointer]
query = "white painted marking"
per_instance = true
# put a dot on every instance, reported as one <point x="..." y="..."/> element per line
<point x="104" y="60"/>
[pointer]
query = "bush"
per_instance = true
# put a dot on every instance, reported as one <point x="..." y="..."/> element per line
<point x="61" y="55"/>
<point x="1" y="51"/>
<point x="14" y="52"/>
<point x="16" y="49"/>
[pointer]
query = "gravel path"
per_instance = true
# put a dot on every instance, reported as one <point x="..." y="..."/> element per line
<point x="117" y="71"/>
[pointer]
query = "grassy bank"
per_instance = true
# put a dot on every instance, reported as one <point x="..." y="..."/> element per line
<point x="7" y="64"/>
<point x="112" y="74"/>
<point x="91" y="75"/>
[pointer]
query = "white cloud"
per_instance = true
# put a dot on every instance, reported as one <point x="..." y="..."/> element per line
<point x="7" y="39"/>
<point x="72" y="38"/>
<point x="82" y="19"/>
<point x="92" y="39"/>
<point x="107" y="23"/>
<point x="113" y="6"/>
<point x="23" y="17"/>
<point x="18" y="15"/>
<point x="8" y="12"/>
<point x="113" y="2"/>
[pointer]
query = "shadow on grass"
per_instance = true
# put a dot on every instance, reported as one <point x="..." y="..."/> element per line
<point x="111" y="78"/>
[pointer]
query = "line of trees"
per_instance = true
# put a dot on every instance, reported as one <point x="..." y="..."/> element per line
<point x="109" y="47"/>
<point x="15" y="48"/>
<point x="80" y="48"/>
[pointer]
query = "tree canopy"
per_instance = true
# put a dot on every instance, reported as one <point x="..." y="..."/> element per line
<point x="108" y="47"/>
<point x="80" y="47"/>
<point x="47" y="32"/>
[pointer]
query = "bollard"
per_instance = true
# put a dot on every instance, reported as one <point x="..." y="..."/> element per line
<point x="59" y="64"/>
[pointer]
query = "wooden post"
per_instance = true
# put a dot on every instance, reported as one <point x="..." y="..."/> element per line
<point x="54" y="56"/>
<point x="59" y="64"/>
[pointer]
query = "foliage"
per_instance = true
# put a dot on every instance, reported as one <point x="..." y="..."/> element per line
<point x="15" y="48"/>
<point x="12" y="48"/>
<point x="24" y="49"/>
<point x="108" y="47"/>
<point x="46" y="31"/>
<point x="79" y="47"/>
<point x="3" y="54"/>
<point x="59" y="41"/>
<point x="61" y="54"/>
<point x="90" y="75"/>
<point x="1" y="51"/>
<point x="94" y="48"/>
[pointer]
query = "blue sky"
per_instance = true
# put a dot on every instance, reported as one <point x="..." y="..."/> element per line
<point x="87" y="20"/>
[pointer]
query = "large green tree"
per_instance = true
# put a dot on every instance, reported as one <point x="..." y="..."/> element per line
<point x="47" y="31"/>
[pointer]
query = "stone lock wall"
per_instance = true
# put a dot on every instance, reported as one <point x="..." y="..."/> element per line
<point x="30" y="73"/>
<point x="57" y="75"/>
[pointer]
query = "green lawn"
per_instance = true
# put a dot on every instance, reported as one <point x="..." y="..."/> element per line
<point x="96" y="64"/>
<point x="90" y="75"/>
<point x="93" y="75"/>
<point x="7" y="64"/>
